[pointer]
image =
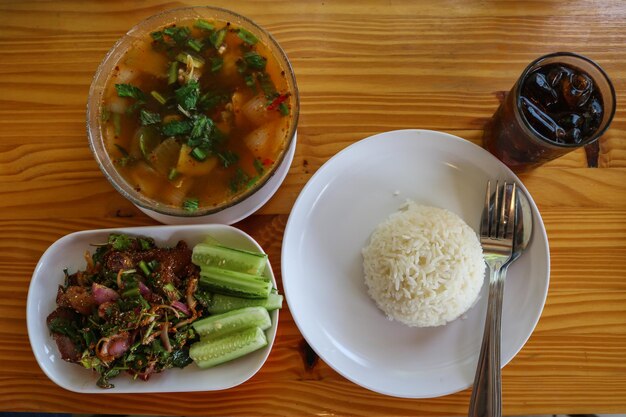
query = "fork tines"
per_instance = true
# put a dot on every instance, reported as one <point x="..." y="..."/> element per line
<point x="498" y="220"/>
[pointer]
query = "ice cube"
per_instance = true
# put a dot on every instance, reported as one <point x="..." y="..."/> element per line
<point x="571" y="120"/>
<point x="556" y="75"/>
<point x="542" y="122"/>
<point x="592" y="117"/>
<point x="595" y="109"/>
<point x="574" y="135"/>
<point x="539" y="90"/>
<point x="576" y="89"/>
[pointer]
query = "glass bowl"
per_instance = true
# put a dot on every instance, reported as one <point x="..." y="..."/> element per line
<point x="233" y="209"/>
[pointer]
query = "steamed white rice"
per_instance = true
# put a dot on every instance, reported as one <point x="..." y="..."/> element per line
<point x="423" y="266"/>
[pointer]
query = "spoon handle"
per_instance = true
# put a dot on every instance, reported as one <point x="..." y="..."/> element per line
<point x="486" y="400"/>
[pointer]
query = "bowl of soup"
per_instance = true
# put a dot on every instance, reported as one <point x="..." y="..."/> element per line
<point x="192" y="116"/>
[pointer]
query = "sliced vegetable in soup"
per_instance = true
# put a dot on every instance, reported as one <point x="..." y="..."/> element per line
<point x="196" y="114"/>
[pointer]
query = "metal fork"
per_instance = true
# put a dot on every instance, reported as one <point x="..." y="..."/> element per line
<point x="496" y="237"/>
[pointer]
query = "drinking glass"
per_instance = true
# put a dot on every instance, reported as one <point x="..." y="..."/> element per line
<point x="517" y="137"/>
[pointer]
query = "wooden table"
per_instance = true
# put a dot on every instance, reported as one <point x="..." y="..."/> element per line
<point x="362" y="68"/>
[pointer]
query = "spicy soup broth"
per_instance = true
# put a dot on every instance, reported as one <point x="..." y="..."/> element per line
<point x="196" y="114"/>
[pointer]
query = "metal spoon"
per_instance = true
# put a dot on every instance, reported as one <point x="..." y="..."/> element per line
<point x="479" y="402"/>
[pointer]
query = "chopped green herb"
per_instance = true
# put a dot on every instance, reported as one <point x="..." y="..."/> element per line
<point x="198" y="154"/>
<point x="241" y="65"/>
<point x="266" y="85"/>
<point x="172" y="73"/>
<point x="132" y="292"/>
<point x="144" y="268"/>
<point x="228" y="158"/>
<point x="146" y="244"/>
<point x="254" y="60"/>
<point x="63" y="326"/>
<point x="187" y="95"/>
<point x="239" y="180"/>
<point x="283" y="109"/>
<point x="170" y="290"/>
<point x="216" y="64"/>
<point x="129" y="90"/>
<point x="126" y="158"/>
<point x="160" y="43"/>
<point x="196" y="60"/>
<point x="203" y="24"/>
<point x="250" y="82"/>
<point x="117" y="124"/>
<point x="123" y="151"/>
<point x="217" y="38"/>
<point x="258" y="166"/>
<point x="195" y="44"/>
<point x="149" y="118"/>
<point x="179" y="34"/>
<point x="202" y="128"/>
<point x="252" y="181"/>
<point x="206" y="142"/>
<point x="176" y="128"/>
<point x="157" y="36"/>
<point x="119" y="241"/>
<point x="191" y="204"/>
<point x="180" y="358"/>
<point x="173" y="174"/>
<point x="209" y="100"/>
<point x="247" y="37"/>
<point x="158" y="97"/>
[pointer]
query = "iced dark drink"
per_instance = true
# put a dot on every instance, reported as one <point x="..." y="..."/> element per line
<point x="561" y="102"/>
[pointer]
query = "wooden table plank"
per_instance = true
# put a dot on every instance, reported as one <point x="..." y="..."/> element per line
<point x="362" y="68"/>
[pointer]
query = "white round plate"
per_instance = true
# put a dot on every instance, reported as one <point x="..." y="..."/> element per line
<point x="322" y="264"/>
<point x="238" y="211"/>
<point x="67" y="252"/>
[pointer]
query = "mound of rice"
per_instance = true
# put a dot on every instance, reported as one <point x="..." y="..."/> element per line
<point x="423" y="266"/>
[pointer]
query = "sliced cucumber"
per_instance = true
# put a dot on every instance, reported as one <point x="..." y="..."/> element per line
<point x="234" y="283"/>
<point x="229" y="258"/>
<point x="222" y="324"/>
<point x="230" y="272"/>
<point x="221" y="303"/>
<point x="212" y="352"/>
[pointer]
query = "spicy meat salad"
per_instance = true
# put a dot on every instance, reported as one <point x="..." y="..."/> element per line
<point x="130" y="310"/>
<point x="141" y="309"/>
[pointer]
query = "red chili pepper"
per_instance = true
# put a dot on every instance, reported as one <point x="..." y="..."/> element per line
<point x="274" y="104"/>
<point x="267" y="162"/>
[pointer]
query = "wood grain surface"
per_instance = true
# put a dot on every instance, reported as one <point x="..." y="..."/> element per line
<point x="363" y="67"/>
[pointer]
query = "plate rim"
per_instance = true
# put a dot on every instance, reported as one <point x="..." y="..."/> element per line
<point x="420" y="134"/>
